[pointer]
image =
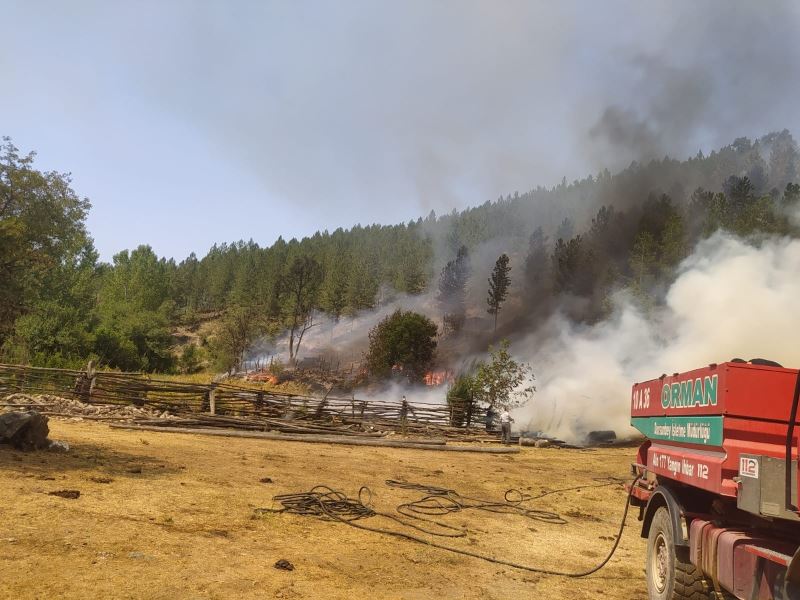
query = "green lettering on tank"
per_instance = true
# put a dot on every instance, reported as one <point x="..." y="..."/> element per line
<point x="698" y="393"/>
<point x="686" y="393"/>
<point x="665" y="396"/>
<point x="676" y="395"/>
<point x="710" y="390"/>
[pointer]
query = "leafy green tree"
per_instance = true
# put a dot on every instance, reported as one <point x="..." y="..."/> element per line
<point x="503" y="382"/>
<point x="134" y="312"/>
<point x="42" y="234"/>
<point x="191" y="360"/>
<point x="139" y="279"/>
<point x="238" y="330"/>
<point x="461" y="400"/>
<point x="404" y="342"/>
<point x="57" y="330"/>
<point x="135" y="340"/>
<point x="51" y="335"/>
<point x="301" y="286"/>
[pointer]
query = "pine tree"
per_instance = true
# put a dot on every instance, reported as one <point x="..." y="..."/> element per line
<point x="498" y="286"/>
<point x="536" y="265"/>
<point x="453" y="290"/>
<point x="643" y="259"/>
<point x="565" y="230"/>
<point x="791" y="194"/>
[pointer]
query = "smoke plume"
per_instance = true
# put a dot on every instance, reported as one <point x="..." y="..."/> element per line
<point x="731" y="298"/>
<point x="708" y="74"/>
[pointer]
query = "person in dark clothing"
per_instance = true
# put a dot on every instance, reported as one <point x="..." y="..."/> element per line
<point x="490" y="417"/>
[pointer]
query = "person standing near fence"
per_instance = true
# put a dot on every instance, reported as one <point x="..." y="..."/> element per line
<point x="404" y="410"/>
<point x="505" y="426"/>
<point x="489" y="419"/>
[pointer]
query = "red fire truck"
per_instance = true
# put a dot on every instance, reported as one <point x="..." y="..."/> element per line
<point x="718" y="486"/>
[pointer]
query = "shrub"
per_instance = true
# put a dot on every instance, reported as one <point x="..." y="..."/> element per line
<point x="404" y="342"/>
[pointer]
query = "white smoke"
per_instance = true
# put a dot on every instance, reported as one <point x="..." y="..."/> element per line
<point x="794" y="216"/>
<point x="343" y="342"/>
<point x="395" y="391"/>
<point x="731" y="298"/>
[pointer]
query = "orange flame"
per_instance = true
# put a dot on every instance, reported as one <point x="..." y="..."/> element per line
<point x="437" y="378"/>
<point x="264" y="377"/>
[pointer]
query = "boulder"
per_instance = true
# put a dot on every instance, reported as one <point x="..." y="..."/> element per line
<point x="24" y="430"/>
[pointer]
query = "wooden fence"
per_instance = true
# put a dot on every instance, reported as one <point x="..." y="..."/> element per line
<point x="232" y="405"/>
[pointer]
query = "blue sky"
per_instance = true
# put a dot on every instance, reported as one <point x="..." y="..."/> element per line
<point x="189" y="123"/>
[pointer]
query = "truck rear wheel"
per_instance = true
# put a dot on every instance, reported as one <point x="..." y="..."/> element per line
<point x="670" y="575"/>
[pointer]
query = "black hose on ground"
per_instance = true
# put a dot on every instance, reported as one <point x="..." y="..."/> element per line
<point x="328" y="504"/>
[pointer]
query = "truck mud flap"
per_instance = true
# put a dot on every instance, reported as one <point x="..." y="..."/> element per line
<point x="663" y="496"/>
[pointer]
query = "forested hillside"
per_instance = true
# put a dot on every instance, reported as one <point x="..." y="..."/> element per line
<point x="60" y="305"/>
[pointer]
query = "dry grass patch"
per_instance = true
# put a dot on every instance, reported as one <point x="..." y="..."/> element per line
<point x="174" y="518"/>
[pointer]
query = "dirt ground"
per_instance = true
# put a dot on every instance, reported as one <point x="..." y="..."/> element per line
<point x="172" y="516"/>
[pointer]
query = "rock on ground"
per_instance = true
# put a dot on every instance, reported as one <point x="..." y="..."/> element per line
<point x="24" y="430"/>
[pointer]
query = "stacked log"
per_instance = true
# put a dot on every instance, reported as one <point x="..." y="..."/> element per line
<point x="149" y="400"/>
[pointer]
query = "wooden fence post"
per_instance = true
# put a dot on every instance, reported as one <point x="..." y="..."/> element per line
<point x="212" y="400"/>
<point x="85" y="382"/>
<point x="91" y="373"/>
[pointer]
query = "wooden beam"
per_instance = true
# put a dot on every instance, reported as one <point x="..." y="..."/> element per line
<point x="320" y="439"/>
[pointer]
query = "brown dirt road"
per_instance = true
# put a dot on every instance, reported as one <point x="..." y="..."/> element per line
<point x="176" y="520"/>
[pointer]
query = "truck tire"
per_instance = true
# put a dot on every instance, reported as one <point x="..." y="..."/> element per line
<point x="670" y="575"/>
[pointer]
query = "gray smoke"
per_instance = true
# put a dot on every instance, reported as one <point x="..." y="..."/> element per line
<point x="673" y="103"/>
<point x="715" y="71"/>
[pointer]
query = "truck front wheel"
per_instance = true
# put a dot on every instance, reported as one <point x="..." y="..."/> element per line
<point x="670" y="575"/>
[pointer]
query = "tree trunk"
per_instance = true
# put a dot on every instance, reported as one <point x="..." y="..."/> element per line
<point x="291" y="346"/>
